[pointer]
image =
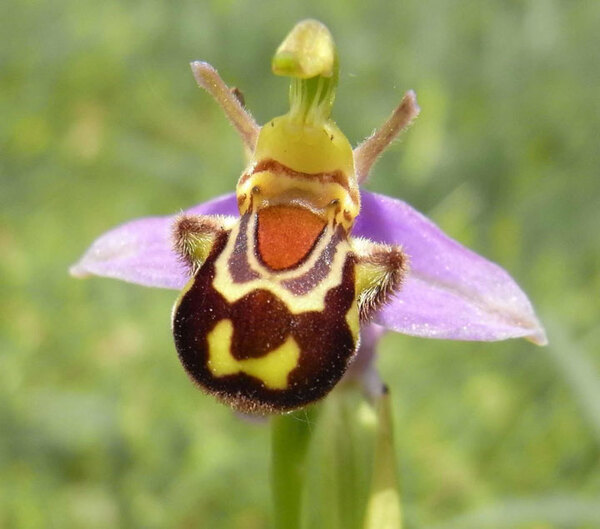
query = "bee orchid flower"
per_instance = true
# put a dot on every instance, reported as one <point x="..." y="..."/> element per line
<point x="278" y="277"/>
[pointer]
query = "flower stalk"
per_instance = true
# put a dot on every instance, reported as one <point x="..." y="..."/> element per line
<point x="290" y="439"/>
<point x="334" y="465"/>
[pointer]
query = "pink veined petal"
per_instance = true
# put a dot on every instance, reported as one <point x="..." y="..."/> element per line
<point x="450" y="292"/>
<point x="141" y="252"/>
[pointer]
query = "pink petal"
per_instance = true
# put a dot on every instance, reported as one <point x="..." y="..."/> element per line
<point x="450" y="292"/>
<point x="141" y="252"/>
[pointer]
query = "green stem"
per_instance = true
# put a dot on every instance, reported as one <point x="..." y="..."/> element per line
<point x="290" y="437"/>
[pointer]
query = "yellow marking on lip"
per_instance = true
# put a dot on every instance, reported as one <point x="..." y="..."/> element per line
<point x="272" y="369"/>
<point x="314" y="300"/>
<point x="178" y="301"/>
<point x="352" y="319"/>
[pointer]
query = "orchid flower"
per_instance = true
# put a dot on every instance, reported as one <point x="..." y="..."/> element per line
<point x="299" y="190"/>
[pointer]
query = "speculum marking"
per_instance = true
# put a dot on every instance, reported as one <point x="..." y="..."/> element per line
<point x="262" y="326"/>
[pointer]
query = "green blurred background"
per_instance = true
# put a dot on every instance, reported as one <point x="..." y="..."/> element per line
<point x="101" y="121"/>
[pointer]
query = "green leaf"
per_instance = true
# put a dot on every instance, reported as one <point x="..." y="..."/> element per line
<point x="384" y="506"/>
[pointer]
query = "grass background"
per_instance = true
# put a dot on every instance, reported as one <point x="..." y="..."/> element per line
<point x="101" y="121"/>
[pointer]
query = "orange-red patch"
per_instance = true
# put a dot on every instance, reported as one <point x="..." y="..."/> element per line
<point x="286" y="234"/>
